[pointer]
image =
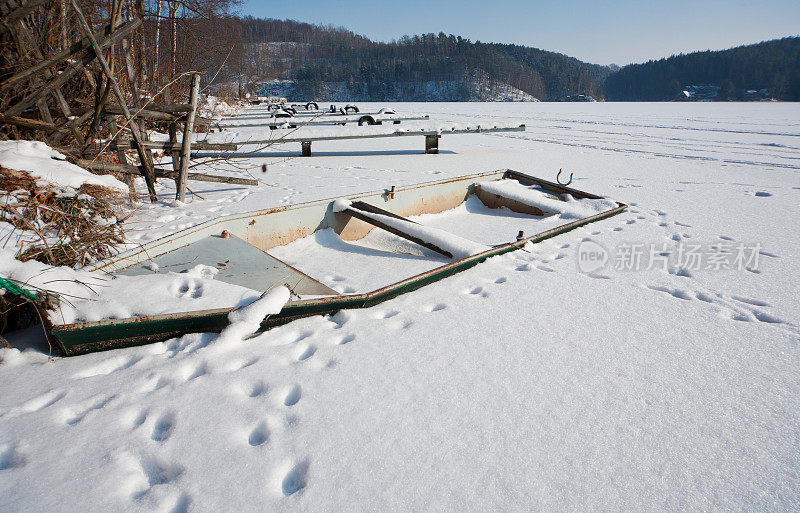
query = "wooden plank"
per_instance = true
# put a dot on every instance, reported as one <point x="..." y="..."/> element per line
<point x="357" y="209"/>
<point x="398" y="133"/>
<point x="142" y="113"/>
<point x="166" y="146"/>
<point x="186" y="144"/>
<point x="171" y="109"/>
<point x="33" y="124"/>
<point x="129" y="169"/>
<point x="144" y="156"/>
<point x="122" y="159"/>
<point x="173" y="134"/>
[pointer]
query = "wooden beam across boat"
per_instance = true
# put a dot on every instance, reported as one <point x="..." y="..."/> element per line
<point x="358" y="208"/>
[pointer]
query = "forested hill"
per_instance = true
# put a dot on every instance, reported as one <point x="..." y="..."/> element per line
<point x="427" y="67"/>
<point x="773" y="66"/>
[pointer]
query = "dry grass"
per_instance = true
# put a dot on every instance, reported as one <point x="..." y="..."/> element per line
<point x="71" y="229"/>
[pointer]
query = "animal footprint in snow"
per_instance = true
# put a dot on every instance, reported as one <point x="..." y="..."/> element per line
<point x="109" y="366"/>
<point x="181" y="504"/>
<point x="256" y="389"/>
<point x="341" y="318"/>
<point x="436" y="307"/>
<point x="474" y="291"/>
<point x="237" y="365"/>
<point x="148" y="472"/>
<point x="11" y="457"/>
<point x="292" y="397"/>
<point x="346" y="339"/>
<point x="259" y="435"/>
<point x="195" y="372"/>
<point x="754" y="302"/>
<point x="163" y="428"/>
<point x="295" y="479"/>
<point x="306" y="352"/>
<point x="766" y="317"/>
<point x="38" y="403"/>
<point x="677" y="293"/>
<point x="135" y="418"/>
<point x="77" y="414"/>
<point x="302" y="336"/>
<point x="190" y="288"/>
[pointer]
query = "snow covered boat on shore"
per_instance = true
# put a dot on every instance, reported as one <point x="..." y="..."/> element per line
<point x="464" y="221"/>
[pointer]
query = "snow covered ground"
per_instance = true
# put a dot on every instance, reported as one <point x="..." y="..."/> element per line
<point x="665" y="377"/>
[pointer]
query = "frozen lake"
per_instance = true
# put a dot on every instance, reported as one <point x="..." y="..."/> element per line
<point x="665" y="379"/>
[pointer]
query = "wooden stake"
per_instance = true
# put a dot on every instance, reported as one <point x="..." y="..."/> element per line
<point x="186" y="146"/>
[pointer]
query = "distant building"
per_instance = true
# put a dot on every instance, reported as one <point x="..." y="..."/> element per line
<point x="699" y="93"/>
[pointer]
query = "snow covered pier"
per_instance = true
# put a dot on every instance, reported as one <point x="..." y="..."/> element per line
<point x="306" y="137"/>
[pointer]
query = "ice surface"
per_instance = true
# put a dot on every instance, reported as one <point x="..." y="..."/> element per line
<point x="520" y="384"/>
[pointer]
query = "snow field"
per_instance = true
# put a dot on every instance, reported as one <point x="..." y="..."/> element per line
<point x="519" y="384"/>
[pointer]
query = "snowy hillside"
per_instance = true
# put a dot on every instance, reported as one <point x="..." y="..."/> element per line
<point x="661" y="376"/>
<point x="479" y="90"/>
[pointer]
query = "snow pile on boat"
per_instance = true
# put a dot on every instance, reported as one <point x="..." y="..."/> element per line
<point x="44" y="163"/>
<point x="247" y="319"/>
<point x="92" y="296"/>
<point x="567" y="207"/>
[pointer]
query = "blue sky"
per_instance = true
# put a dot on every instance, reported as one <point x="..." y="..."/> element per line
<point x="595" y="31"/>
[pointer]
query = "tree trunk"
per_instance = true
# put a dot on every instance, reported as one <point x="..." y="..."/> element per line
<point x="173" y="10"/>
<point x="154" y="79"/>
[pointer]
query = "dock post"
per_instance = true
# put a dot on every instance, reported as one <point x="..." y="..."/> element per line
<point x="432" y="144"/>
<point x="186" y="144"/>
<point x="306" y="145"/>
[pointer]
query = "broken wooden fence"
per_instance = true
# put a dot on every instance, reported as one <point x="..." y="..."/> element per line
<point x="43" y="79"/>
